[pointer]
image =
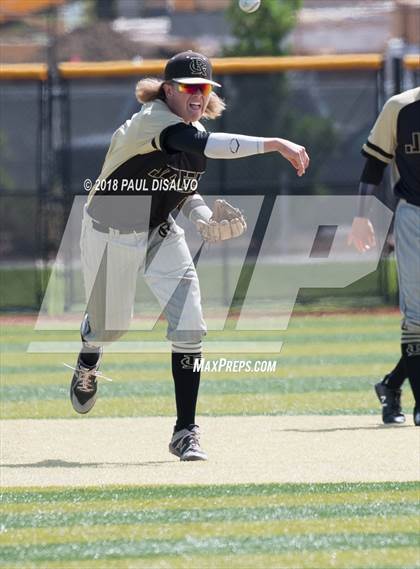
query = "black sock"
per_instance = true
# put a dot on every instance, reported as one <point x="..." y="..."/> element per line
<point x="411" y="355"/>
<point x="397" y="376"/>
<point x="89" y="356"/>
<point x="187" y="382"/>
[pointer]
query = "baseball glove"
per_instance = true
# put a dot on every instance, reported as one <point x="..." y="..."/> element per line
<point x="226" y="222"/>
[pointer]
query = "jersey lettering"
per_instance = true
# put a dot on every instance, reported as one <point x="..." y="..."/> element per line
<point x="184" y="181"/>
<point x="415" y="147"/>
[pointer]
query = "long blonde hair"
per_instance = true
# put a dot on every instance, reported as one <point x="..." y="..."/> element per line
<point x="150" y="89"/>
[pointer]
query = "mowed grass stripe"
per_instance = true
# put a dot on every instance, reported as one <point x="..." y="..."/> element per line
<point x="387" y="558"/>
<point x="300" y="329"/>
<point x="208" y="386"/>
<point x="308" y="329"/>
<point x="119" y="503"/>
<point x="297" y="318"/>
<point x="157" y="364"/>
<point x="223" y="545"/>
<point x="355" y="322"/>
<point x="219" y="515"/>
<point x="86" y="534"/>
<point x="325" y="370"/>
<point x="20" y="342"/>
<point x="308" y="403"/>
<point x="325" y="356"/>
<point x="116" y="493"/>
<point x="338" y="345"/>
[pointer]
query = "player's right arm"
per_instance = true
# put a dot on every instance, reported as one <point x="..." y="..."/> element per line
<point x="379" y="152"/>
<point x="222" y="145"/>
<point x="362" y="234"/>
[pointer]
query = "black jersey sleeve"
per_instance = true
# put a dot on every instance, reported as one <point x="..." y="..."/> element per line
<point x="373" y="171"/>
<point x="182" y="137"/>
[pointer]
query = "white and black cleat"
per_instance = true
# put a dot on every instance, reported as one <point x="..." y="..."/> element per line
<point x="84" y="386"/>
<point x="185" y="444"/>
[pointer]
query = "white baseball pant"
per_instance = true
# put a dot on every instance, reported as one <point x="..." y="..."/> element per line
<point x="111" y="263"/>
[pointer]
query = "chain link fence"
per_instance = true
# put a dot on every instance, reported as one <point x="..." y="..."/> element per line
<point x="54" y="134"/>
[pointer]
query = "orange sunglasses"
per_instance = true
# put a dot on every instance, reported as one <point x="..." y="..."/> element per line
<point x="205" y="88"/>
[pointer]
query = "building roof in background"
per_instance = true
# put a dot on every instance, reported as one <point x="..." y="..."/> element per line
<point x="323" y="27"/>
<point x="15" y="9"/>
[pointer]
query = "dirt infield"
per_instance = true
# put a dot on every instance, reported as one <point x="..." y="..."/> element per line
<point x="86" y="451"/>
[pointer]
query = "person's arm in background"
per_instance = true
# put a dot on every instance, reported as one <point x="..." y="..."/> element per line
<point x="362" y="234"/>
<point x="379" y="152"/>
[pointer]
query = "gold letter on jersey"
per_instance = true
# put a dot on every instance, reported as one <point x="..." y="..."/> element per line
<point x="415" y="147"/>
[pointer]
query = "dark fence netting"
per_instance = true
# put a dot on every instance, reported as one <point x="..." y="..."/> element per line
<point x="331" y="113"/>
<point x="19" y="137"/>
<point x="411" y="78"/>
<point x="19" y="194"/>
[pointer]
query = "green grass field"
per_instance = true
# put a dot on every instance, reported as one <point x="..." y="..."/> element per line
<point x="330" y="525"/>
<point x="327" y="366"/>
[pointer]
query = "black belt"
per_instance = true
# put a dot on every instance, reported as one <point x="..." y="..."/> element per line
<point x="98" y="226"/>
<point x="163" y="230"/>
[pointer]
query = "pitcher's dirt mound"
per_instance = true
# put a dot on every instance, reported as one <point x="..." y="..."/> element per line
<point x="90" y="451"/>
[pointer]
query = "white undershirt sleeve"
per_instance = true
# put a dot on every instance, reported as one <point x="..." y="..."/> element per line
<point x="229" y="146"/>
<point x="195" y="208"/>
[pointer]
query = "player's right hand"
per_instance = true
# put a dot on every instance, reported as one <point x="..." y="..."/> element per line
<point x="294" y="153"/>
<point x="362" y="234"/>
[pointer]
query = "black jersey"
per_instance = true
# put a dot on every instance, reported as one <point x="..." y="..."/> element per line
<point x="139" y="163"/>
<point x="395" y="138"/>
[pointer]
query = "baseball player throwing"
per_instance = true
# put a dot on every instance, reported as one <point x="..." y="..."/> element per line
<point x="395" y="139"/>
<point x="163" y="147"/>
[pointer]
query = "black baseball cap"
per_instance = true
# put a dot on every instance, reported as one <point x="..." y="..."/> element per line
<point x="190" y="68"/>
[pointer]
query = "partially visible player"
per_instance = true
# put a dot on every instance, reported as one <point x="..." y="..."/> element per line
<point x="389" y="394"/>
<point x="395" y="139"/>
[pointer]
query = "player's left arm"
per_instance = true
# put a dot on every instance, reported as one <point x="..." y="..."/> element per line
<point x="195" y="208"/>
<point x="223" y="222"/>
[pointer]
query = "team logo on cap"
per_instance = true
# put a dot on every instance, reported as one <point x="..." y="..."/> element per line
<point x="198" y="66"/>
